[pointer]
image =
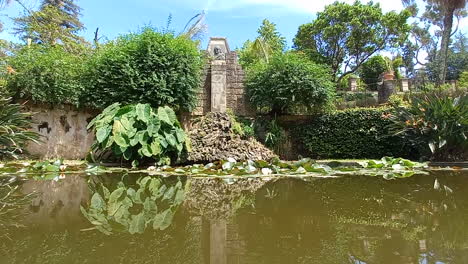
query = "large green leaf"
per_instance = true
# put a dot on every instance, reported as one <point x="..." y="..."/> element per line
<point x="102" y="133"/>
<point x="143" y="112"/>
<point x="155" y="147"/>
<point x="121" y="140"/>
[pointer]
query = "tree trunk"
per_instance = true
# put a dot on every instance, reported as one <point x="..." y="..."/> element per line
<point x="443" y="54"/>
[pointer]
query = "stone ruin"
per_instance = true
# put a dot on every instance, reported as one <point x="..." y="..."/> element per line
<point x="213" y="139"/>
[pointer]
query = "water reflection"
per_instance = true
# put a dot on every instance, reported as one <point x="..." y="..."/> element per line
<point x="248" y="220"/>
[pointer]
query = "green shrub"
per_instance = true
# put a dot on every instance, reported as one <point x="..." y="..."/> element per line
<point x="436" y="123"/>
<point x="289" y="82"/>
<point x="371" y="71"/>
<point x="14" y="128"/>
<point x="46" y="74"/>
<point x="463" y="80"/>
<point x="138" y="132"/>
<point x="150" y="67"/>
<point x="352" y="133"/>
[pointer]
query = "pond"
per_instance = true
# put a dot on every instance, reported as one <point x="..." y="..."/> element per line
<point x="138" y="218"/>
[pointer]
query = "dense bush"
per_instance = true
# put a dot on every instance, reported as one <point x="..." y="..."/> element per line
<point x="14" y="128"/>
<point x="46" y="74"/>
<point x="289" y="82"/>
<point x="150" y="67"/>
<point x="436" y="123"/>
<point x="138" y="132"/>
<point x="371" y="71"/>
<point x="353" y="133"/>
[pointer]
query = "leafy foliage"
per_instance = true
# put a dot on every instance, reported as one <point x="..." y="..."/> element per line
<point x="371" y="71"/>
<point x="153" y="203"/>
<point x="268" y="43"/>
<point x="352" y="133"/>
<point x="14" y="128"/>
<point x="436" y="123"/>
<point x="387" y="167"/>
<point x="136" y="132"/>
<point x="150" y="67"/>
<point x="47" y="74"/>
<point x="463" y="80"/>
<point x="289" y="81"/>
<point x="53" y="24"/>
<point x="344" y="36"/>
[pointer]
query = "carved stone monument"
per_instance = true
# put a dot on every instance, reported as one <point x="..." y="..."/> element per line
<point x="218" y="48"/>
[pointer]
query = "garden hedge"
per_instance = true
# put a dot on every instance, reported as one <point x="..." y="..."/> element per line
<point x="150" y="67"/>
<point x="46" y="74"/>
<point x="353" y="133"/>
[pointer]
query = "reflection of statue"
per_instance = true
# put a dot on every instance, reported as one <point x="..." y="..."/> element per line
<point x="219" y="54"/>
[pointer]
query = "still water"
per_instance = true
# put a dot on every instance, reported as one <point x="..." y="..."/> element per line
<point x="113" y="218"/>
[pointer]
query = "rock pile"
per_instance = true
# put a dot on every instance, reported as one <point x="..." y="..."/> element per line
<point x="212" y="140"/>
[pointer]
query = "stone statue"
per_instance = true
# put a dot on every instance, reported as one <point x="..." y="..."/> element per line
<point x="218" y="53"/>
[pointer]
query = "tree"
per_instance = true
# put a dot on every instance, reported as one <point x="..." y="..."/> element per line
<point x="440" y="13"/>
<point x="54" y="23"/>
<point x="344" y="36"/>
<point x="371" y="71"/>
<point x="72" y="11"/>
<point x="457" y="60"/>
<point x="289" y="82"/>
<point x="268" y="42"/>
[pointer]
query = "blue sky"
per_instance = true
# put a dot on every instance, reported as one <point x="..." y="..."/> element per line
<point x="237" y="20"/>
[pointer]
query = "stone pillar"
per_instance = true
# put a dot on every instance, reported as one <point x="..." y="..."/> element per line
<point x="218" y="242"/>
<point x="353" y="84"/>
<point x="218" y="48"/>
<point x="405" y="86"/>
<point x="218" y="86"/>
<point x="385" y="90"/>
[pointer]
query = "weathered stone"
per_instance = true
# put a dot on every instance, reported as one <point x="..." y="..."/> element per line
<point x="212" y="140"/>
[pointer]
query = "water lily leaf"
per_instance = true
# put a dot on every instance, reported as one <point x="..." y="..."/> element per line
<point x="261" y="164"/>
<point x="228" y="165"/>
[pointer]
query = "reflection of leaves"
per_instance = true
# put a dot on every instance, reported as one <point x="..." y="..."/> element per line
<point x="152" y="203"/>
<point x="163" y="220"/>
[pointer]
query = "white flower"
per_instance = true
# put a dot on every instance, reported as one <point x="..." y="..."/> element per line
<point x="266" y="171"/>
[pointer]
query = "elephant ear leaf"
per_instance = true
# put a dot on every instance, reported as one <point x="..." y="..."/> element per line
<point x="143" y="112"/>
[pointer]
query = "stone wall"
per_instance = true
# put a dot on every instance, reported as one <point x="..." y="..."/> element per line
<point x="63" y="132"/>
<point x="222" y="83"/>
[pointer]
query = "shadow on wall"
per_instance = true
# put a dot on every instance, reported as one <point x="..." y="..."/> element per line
<point x="63" y="131"/>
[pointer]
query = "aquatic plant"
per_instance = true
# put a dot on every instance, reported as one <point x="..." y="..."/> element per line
<point x="15" y="124"/>
<point x="436" y="123"/>
<point x="138" y="132"/>
<point x="152" y="203"/>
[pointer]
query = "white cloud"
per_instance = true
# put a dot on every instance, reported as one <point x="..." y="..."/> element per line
<point x="298" y="6"/>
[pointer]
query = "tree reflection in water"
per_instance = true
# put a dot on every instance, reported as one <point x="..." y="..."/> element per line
<point x="250" y="220"/>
